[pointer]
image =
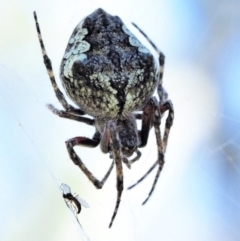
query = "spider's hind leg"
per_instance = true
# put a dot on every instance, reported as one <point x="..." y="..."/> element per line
<point x="163" y="105"/>
<point x="167" y="106"/>
<point x="161" y="59"/>
<point x="153" y="114"/>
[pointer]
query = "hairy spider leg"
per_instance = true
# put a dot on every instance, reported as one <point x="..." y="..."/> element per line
<point x="163" y="105"/>
<point x="160" y="143"/>
<point x="160" y="160"/>
<point x="161" y="58"/>
<point x="136" y="158"/>
<point x="48" y="66"/>
<point x="148" y="114"/>
<point x="169" y="121"/>
<point x="130" y="162"/>
<point x="117" y="156"/>
<point x="152" y="114"/>
<point x="71" y="116"/>
<point x="87" y="142"/>
<point x="162" y="94"/>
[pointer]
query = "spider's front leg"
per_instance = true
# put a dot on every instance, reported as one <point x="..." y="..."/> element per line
<point x="117" y="156"/>
<point x="48" y="65"/>
<point x="83" y="141"/>
<point x="110" y="137"/>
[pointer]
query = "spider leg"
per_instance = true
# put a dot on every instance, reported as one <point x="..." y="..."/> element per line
<point x="154" y="115"/>
<point x="48" y="65"/>
<point x="162" y="144"/>
<point x="160" y="160"/>
<point x="130" y="162"/>
<point x="117" y="156"/>
<point x="136" y="158"/>
<point x="83" y="141"/>
<point x="161" y="58"/>
<point x="69" y="115"/>
<point x="169" y="121"/>
<point x="146" y="174"/>
<point x="125" y="160"/>
<point x="164" y="104"/>
<point x="148" y="39"/>
<point x="147" y="117"/>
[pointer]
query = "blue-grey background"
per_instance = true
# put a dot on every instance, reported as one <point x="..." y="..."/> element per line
<point x="198" y="193"/>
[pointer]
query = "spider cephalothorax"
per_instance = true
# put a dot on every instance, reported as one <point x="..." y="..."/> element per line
<point x="110" y="75"/>
<point x="127" y="131"/>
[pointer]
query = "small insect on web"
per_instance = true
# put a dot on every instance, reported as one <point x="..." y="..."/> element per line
<point x="75" y="204"/>
<point x="110" y="75"/>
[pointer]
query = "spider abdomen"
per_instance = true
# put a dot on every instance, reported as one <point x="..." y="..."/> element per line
<point x="105" y="70"/>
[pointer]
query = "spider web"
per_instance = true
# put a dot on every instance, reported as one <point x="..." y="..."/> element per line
<point x="197" y="196"/>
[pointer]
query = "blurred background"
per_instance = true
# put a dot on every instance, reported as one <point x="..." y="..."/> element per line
<point x="197" y="196"/>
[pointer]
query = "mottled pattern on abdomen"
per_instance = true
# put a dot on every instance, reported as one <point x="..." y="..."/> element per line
<point x="106" y="70"/>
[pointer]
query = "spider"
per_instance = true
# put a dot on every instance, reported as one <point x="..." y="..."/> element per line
<point x="111" y="76"/>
